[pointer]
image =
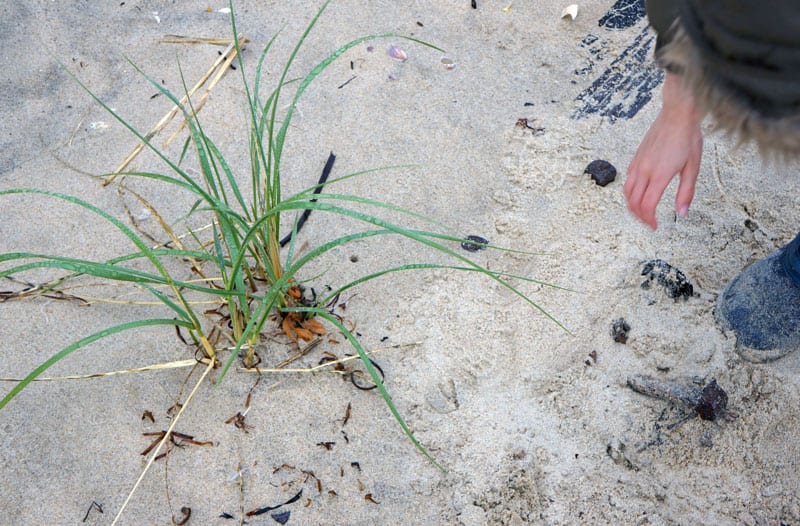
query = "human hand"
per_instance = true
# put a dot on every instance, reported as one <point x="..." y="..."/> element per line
<point x="673" y="145"/>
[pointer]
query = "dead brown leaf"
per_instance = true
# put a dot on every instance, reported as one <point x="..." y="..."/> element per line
<point x="314" y="326"/>
<point x="304" y="334"/>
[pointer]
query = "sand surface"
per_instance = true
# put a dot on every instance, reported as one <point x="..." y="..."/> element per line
<point x="534" y="424"/>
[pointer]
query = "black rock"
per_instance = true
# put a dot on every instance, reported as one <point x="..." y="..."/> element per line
<point x="619" y="330"/>
<point x="474" y="243"/>
<point x="675" y="282"/>
<point x="282" y="517"/>
<point x="602" y="172"/>
<point x="713" y="401"/>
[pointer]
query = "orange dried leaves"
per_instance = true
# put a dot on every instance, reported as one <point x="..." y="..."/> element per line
<point x="296" y="327"/>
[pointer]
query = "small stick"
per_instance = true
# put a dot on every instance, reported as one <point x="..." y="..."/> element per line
<point x="78" y="127"/>
<point x="156" y="367"/>
<point x="229" y="55"/>
<point x="323" y="178"/>
<point x="162" y="442"/>
<point x="93" y="506"/>
<point x="303" y="351"/>
<point x="166" y="119"/>
<point x="205" y="361"/>
<point x="180" y="39"/>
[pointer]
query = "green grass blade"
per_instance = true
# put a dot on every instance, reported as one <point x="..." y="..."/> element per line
<point x="185" y="149"/>
<point x="100" y="270"/>
<point x="274" y="151"/>
<point x="319" y="68"/>
<point x="428" y="266"/>
<point x="376" y="379"/>
<point x="81" y="266"/>
<point x="166" y="300"/>
<point x="307" y="197"/>
<point x="423" y="239"/>
<point x="83" y="343"/>
<point x="130" y="234"/>
<point x="226" y="169"/>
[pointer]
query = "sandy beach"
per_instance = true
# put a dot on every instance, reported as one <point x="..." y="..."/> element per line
<point x="533" y="423"/>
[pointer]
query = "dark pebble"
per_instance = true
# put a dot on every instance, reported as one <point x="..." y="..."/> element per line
<point x="713" y="402"/>
<point x="619" y="330"/>
<point x="282" y="517"/>
<point x="478" y="243"/>
<point x="603" y="172"/>
<point x="675" y="282"/>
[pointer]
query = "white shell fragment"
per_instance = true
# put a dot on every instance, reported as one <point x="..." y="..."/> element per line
<point x="143" y="215"/>
<point x="397" y="53"/>
<point x="570" y="11"/>
<point x="448" y="63"/>
<point x="224" y="10"/>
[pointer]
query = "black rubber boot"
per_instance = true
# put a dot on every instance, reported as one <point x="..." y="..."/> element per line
<point x="762" y="306"/>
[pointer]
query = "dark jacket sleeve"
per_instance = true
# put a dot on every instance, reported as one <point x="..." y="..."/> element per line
<point x="752" y="48"/>
<point x="742" y="60"/>
<point x="661" y="14"/>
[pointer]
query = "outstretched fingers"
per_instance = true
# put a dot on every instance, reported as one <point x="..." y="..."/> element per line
<point x="672" y="145"/>
<point x="688" y="178"/>
<point x="643" y="194"/>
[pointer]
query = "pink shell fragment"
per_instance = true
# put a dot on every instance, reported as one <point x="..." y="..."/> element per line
<point x="397" y="53"/>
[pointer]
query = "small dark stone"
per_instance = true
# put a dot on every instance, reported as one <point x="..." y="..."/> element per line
<point x="675" y="282"/>
<point x="619" y="330"/>
<point x="477" y="243"/>
<point x="713" y="401"/>
<point x="282" y="517"/>
<point x="354" y="259"/>
<point x="603" y="172"/>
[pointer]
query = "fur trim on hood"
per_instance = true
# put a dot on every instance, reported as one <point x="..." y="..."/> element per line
<point x="777" y="135"/>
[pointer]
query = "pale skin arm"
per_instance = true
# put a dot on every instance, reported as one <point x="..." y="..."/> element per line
<point x="672" y="146"/>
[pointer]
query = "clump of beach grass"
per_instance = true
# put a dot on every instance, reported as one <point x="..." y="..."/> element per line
<point x="239" y="262"/>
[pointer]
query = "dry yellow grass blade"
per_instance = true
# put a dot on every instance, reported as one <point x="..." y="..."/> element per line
<point x="156" y="367"/>
<point x="176" y="240"/>
<point x="192" y="362"/>
<point x="89" y="300"/>
<point x="48" y="290"/>
<point x="167" y="436"/>
<point x="180" y="39"/>
<point x="220" y="65"/>
<point x="229" y="56"/>
<point x="192" y="232"/>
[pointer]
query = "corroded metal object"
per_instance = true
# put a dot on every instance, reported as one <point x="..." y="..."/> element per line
<point x="710" y="402"/>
